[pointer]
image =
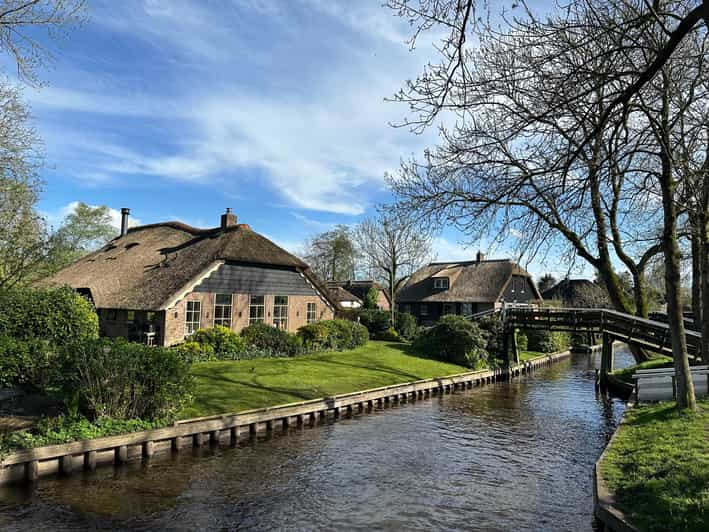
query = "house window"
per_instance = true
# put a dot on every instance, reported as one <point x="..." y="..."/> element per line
<point x="111" y="314"/>
<point x="257" y="309"/>
<point x="280" y="312"/>
<point x="424" y="309"/>
<point x="130" y="316"/>
<point x="310" y="313"/>
<point x="448" y="308"/>
<point x="522" y="282"/>
<point x="222" y="310"/>
<point x="193" y="313"/>
<point x="407" y="309"/>
<point x="441" y="283"/>
<point x="467" y="309"/>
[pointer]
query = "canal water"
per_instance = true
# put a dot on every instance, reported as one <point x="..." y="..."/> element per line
<point x="507" y="456"/>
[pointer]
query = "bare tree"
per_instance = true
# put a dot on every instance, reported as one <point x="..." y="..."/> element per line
<point x="23" y="21"/>
<point x="332" y="254"/>
<point x="392" y="247"/>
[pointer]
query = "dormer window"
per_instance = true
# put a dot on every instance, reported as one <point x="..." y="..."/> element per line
<point x="441" y="283"/>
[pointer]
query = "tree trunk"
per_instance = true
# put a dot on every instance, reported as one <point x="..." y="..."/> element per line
<point x="704" y="253"/>
<point x="697" y="274"/>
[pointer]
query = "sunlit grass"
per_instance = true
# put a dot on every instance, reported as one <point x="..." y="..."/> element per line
<point x="626" y="374"/>
<point x="230" y="386"/>
<point x="658" y="467"/>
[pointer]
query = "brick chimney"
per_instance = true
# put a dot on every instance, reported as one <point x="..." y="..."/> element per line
<point x="228" y="219"/>
<point x="125" y="212"/>
<point x="480" y="256"/>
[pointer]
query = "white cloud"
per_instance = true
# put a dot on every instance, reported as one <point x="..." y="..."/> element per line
<point x="446" y="251"/>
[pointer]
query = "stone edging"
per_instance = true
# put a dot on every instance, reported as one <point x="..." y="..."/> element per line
<point x="30" y="464"/>
<point x="604" y="507"/>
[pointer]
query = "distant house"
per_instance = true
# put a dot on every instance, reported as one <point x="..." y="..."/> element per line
<point x="575" y="293"/>
<point x="465" y="288"/>
<point x="159" y="283"/>
<point x="359" y="289"/>
<point x="347" y="300"/>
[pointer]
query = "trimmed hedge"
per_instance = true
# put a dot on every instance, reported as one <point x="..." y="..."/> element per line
<point x="124" y="380"/>
<point x="333" y="334"/>
<point x="453" y="339"/>
<point x="376" y="321"/>
<point x="57" y="315"/>
<point x="225" y="344"/>
<point x="264" y="337"/>
<point x="405" y="325"/>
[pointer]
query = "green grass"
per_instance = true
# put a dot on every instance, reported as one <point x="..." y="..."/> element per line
<point x="223" y="387"/>
<point x="658" y="467"/>
<point x="529" y="355"/>
<point x="626" y="374"/>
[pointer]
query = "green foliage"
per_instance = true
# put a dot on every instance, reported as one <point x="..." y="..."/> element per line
<point x="659" y="361"/>
<point x="522" y="341"/>
<point x="333" y="335"/>
<point x="332" y="254"/>
<point x="227" y="345"/>
<point x="658" y="467"/>
<point x="264" y="337"/>
<point x="494" y="331"/>
<point x="30" y="363"/>
<point x="453" y="339"/>
<point x="545" y="341"/>
<point x="376" y="321"/>
<point x="196" y="352"/>
<point x="124" y="380"/>
<point x="371" y="297"/>
<point x="390" y="335"/>
<point x="405" y="325"/>
<point x="66" y="429"/>
<point x="58" y="315"/>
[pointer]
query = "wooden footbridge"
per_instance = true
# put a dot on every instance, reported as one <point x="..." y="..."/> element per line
<point x="612" y="325"/>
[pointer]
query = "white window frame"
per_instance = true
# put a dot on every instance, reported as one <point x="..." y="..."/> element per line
<point x="262" y="306"/>
<point x="423" y="309"/>
<point x="189" y="323"/>
<point x="466" y="306"/>
<point x="311" y="308"/>
<point x="280" y="321"/>
<point x="441" y="283"/>
<point x="224" y="322"/>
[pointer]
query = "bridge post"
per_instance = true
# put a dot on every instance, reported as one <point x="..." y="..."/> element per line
<point x="606" y="358"/>
<point x="509" y="347"/>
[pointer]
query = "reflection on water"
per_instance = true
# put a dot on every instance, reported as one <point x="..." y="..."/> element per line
<point x="506" y="456"/>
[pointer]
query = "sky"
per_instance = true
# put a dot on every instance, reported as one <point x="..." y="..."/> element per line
<point x="179" y="109"/>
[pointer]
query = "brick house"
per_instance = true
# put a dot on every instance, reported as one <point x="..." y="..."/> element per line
<point x="465" y="288"/>
<point x="161" y="282"/>
<point x="359" y="289"/>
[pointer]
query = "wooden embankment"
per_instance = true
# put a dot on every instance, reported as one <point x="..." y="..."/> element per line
<point x="28" y="465"/>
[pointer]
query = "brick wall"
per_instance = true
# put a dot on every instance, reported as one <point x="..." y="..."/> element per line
<point x="297" y="305"/>
<point x="382" y="301"/>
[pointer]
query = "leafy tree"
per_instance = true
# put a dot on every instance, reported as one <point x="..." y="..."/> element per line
<point x="83" y="230"/>
<point x="370" y="299"/>
<point x="332" y="254"/>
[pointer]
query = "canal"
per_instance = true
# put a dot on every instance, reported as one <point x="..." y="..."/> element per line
<point x="508" y="456"/>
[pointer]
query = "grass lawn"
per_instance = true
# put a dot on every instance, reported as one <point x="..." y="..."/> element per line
<point x="658" y="467"/>
<point x="529" y="355"/>
<point x="626" y="374"/>
<point x="233" y="386"/>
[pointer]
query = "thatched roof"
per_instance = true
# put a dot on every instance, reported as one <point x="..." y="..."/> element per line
<point x="147" y="267"/>
<point x="341" y="295"/>
<point x="470" y="282"/>
<point x="358" y="288"/>
<point x="569" y="291"/>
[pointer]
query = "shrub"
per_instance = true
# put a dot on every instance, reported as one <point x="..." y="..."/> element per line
<point x="123" y="380"/>
<point x="494" y="331"/>
<point x="196" y="352"/>
<point x="545" y="341"/>
<point x="315" y="336"/>
<point x="226" y="344"/>
<point x="522" y="341"/>
<point x="58" y="315"/>
<point x="371" y="298"/>
<point x="376" y="321"/>
<point x="360" y="335"/>
<point x="30" y="363"/>
<point x="390" y="335"/>
<point x="267" y="338"/>
<point x="453" y="339"/>
<point x="405" y="325"/>
<point x="333" y="334"/>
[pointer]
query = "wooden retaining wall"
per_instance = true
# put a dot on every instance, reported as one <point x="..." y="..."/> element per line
<point x="29" y="465"/>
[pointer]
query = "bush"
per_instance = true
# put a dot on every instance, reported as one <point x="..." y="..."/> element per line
<point x="124" y="380"/>
<point x="58" y="315"/>
<point x="315" y="336"/>
<point x="360" y="335"/>
<point x="522" y="341"/>
<point x="264" y="337"/>
<point x="376" y="321"/>
<point x="545" y="341"/>
<point x="390" y="335"/>
<point x="494" y="331"/>
<point x="333" y="334"/>
<point x="453" y="339"/>
<point x="226" y="344"/>
<point x="405" y="325"/>
<point x="30" y="363"/>
<point x="196" y="352"/>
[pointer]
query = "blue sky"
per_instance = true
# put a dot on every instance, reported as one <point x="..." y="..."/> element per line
<point x="179" y="109"/>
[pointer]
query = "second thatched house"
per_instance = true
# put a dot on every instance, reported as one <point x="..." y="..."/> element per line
<point x="465" y="288"/>
<point x="359" y="290"/>
<point x="159" y="283"/>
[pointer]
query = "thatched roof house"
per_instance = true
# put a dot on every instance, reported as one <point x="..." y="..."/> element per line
<point x="346" y="300"/>
<point x="578" y="293"/>
<point x="169" y="279"/>
<point x="465" y="288"/>
<point x="360" y="289"/>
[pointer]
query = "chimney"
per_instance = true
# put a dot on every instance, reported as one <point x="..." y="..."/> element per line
<point x="228" y="219"/>
<point x="125" y="212"/>
<point x="480" y="256"/>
